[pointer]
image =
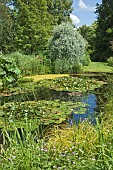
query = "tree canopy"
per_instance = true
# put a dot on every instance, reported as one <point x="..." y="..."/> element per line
<point x="26" y="25"/>
<point x="6" y="27"/>
<point x="89" y="33"/>
<point x="104" y="31"/>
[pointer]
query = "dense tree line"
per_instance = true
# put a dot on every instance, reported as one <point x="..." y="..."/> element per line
<point x="6" y="27"/>
<point x="104" y="31"/>
<point x="27" y="25"/>
<point x="89" y="33"/>
<point x="100" y="34"/>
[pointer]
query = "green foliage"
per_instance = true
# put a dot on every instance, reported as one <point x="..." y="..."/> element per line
<point x="35" y="147"/>
<point x="110" y="61"/>
<point x="71" y="84"/>
<point x="68" y="45"/>
<point x="30" y="64"/>
<point x="46" y="112"/>
<point x="28" y="25"/>
<point x="9" y="72"/>
<point x="104" y="31"/>
<point x="83" y="147"/>
<point x="32" y="25"/>
<point x="6" y="28"/>
<point x="60" y="10"/>
<point x="89" y="33"/>
<point x="66" y="66"/>
<point x="86" y="60"/>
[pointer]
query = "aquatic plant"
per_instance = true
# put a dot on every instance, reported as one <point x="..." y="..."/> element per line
<point x="40" y="112"/>
<point x="70" y="84"/>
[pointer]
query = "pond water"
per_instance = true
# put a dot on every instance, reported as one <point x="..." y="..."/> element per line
<point x="91" y="103"/>
<point x="77" y="115"/>
<point x="90" y="100"/>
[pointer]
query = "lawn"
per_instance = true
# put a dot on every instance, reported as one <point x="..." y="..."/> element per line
<point x="92" y="67"/>
<point x="97" y="67"/>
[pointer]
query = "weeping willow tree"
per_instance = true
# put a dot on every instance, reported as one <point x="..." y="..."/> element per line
<point x="66" y="49"/>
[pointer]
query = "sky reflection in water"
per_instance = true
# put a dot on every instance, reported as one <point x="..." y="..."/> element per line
<point x="90" y="100"/>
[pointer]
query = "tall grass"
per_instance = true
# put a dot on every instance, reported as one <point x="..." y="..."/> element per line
<point x="79" y="147"/>
<point x="30" y="64"/>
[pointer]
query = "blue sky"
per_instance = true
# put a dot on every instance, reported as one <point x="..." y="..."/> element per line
<point x="83" y="12"/>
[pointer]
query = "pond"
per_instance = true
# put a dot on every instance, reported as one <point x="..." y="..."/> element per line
<point x="53" y="102"/>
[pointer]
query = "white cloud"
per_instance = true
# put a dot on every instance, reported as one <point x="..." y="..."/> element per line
<point x="74" y="19"/>
<point x="82" y="5"/>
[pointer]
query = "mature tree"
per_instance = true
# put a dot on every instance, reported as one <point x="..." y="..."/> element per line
<point x="60" y="9"/>
<point x="104" y="32"/>
<point x="84" y="31"/>
<point x="67" y="45"/>
<point x="89" y="33"/>
<point x="32" y="24"/>
<point x="6" y="27"/>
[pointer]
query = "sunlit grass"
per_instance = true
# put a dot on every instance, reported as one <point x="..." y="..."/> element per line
<point x="97" y="67"/>
<point x="78" y="147"/>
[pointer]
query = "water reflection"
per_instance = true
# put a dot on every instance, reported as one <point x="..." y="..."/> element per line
<point x="91" y="104"/>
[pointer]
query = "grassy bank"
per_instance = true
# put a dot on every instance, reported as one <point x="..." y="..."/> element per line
<point x="92" y="67"/>
<point x="83" y="147"/>
<point x="97" y="67"/>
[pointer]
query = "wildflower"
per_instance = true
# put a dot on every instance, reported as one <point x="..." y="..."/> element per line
<point x="54" y="166"/>
<point x="73" y="147"/>
<point x="74" y="162"/>
<point x="73" y="153"/>
<point x="14" y="157"/>
<point x="10" y="159"/>
<point x="93" y="159"/>
<point x="45" y="150"/>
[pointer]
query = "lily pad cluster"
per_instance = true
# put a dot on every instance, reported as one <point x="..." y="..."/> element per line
<point x="46" y="112"/>
<point x="70" y="84"/>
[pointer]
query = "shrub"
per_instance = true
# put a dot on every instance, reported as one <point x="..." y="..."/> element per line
<point x="67" y="45"/>
<point x="110" y="61"/>
<point x="66" y="66"/>
<point x="86" y="60"/>
<point x="9" y="72"/>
